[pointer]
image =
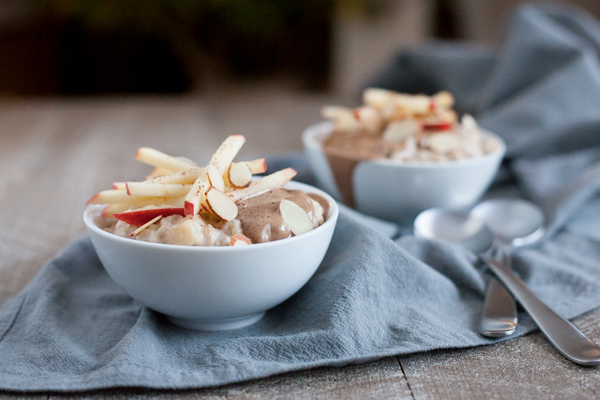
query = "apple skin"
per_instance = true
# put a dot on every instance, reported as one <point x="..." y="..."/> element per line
<point x="140" y="217"/>
<point x="440" y="126"/>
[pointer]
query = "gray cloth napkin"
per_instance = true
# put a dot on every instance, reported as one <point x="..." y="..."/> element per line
<point x="73" y="328"/>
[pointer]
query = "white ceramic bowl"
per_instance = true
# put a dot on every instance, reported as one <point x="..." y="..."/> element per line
<point x="399" y="191"/>
<point x="213" y="288"/>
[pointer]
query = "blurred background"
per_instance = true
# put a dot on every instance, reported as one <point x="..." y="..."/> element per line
<point x="99" y="47"/>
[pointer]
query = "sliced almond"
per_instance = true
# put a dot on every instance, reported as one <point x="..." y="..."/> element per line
<point x="146" y="225"/>
<point x="239" y="175"/>
<point x="220" y="204"/>
<point x="240" y="240"/>
<point x="215" y="178"/>
<point x="295" y="217"/>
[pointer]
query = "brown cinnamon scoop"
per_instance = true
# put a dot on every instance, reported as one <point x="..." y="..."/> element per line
<point x="260" y="216"/>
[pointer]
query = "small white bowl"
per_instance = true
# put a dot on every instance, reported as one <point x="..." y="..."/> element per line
<point x="213" y="288"/>
<point x="397" y="191"/>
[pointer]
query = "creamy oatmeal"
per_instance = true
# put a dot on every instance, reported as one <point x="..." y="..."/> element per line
<point x="404" y="128"/>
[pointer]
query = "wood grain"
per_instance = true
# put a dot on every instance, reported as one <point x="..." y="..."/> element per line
<point x="56" y="153"/>
<point x="527" y="367"/>
<point x="377" y="380"/>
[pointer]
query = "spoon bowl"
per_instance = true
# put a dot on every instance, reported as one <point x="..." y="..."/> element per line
<point x="514" y="222"/>
<point x="455" y="227"/>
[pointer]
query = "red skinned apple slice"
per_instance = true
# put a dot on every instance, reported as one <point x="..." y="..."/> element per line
<point x="295" y="217"/>
<point x="159" y="159"/>
<point x="157" y="189"/>
<point x="142" y="216"/>
<point x="142" y="202"/>
<point x="438" y="126"/>
<point x="258" y="166"/>
<point x="214" y="177"/>
<point x="194" y="199"/>
<point x="275" y="180"/>
<point x="240" y="240"/>
<point x="226" y="152"/>
<point x="221" y="205"/>
<point x="119" y="186"/>
<point x="239" y="175"/>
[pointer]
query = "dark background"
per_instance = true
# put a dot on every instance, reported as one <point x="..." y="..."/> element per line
<point x="90" y="47"/>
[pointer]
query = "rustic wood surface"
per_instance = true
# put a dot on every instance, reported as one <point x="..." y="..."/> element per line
<point x="56" y="153"/>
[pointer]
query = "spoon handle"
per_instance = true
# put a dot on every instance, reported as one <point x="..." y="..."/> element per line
<point x="563" y="335"/>
<point x="499" y="314"/>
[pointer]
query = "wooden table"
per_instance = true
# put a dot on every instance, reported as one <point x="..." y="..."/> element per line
<point x="56" y="153"/>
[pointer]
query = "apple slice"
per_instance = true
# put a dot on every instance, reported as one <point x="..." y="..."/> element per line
<point x="258" y="166"/>
<point x="221" y="205"/>
<point x="215" y="178"/>
<point x="156" y="172"/>
<point x="226" y="152"/>
<point x="161" y="160"/>
<point x="275" y="180"/>
<point x="398" y="131"/>
<point x="239" y="175"/>
<point x="157" y="189"/>
<point x="146" y="225"/>
<point x="142" y="202"/>
<point x="194" y="198"/>
<point x="185" y="177"/>
<point x="240" y="240"/>
<point x="370" y="118"/>
<point x="113" y="196"/>
<point x="344" y="118"/>
<point x="438" y="126"/>
<point x="441" y="100"/>
<point x="295" y="217"/>
<point x="142" y="216"/>
<point x="377" y="98"/>
<point x="119" y="186"/>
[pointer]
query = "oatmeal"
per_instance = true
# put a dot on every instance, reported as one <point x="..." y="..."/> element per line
<point x="404" y="128"/>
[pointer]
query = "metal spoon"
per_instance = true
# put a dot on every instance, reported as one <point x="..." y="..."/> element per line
<point x="563" y="335"/>
<point x="514" y="223"/>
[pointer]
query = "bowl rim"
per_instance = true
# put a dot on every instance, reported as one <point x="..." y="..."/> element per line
<point x="310" y="141"/>
<point x="331" y="220"/>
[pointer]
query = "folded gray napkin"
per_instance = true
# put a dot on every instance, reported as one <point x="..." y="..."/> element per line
<point x="72" y="328"/>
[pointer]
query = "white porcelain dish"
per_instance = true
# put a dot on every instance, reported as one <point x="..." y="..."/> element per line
<point x="397" y="191"/>
<point x="213" y="288"/>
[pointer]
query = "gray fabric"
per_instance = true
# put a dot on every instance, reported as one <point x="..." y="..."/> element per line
<point x="72" y="328"/>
